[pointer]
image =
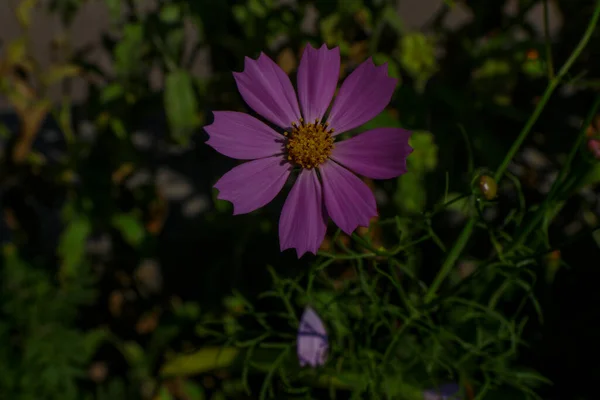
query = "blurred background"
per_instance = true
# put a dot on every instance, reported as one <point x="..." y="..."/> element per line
<point x="123" y="277"/>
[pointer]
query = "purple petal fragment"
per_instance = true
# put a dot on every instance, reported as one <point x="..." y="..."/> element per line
<point x="253" y="184"/>
<point x="268" y="91"/>
<point x="448" y="391"/>
<point x="318" y="75"/>
<point x="241" y="136"/>
<point x="363" y="95"/>
<point x="349" y="201"/>
<point x="312" y="341"/>
<point x="302" y="224"/>
<point x="378" y="154"/>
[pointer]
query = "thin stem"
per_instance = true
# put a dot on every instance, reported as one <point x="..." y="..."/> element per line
<point x="547" y="41"/>
<point x="464" y="236"/>
<point x="549" y="90"/>
<point x="458" y="247"/>
<point x="537" y="217"/>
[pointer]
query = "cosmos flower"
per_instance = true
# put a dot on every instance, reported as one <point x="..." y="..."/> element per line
<point x="594" y="147"/>
<point x="325" y="187"/>
<point x="448" y="391"/>
<point x="312" y="341"/>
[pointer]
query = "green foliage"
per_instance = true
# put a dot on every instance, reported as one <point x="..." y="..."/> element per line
<point x="181" y="106"/>
<point x="448" y="284"/>
<point x="45" y="353"/>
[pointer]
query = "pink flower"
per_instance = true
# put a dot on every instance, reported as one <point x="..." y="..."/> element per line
<point x="594" y="147"/>
<point x="325" y="187"/>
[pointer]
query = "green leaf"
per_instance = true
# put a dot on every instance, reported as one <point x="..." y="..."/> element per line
<point x="410" y="195"/>
<point x="131" y="228"/>
<point x="417" y="57"/>
<point x="204" y="360"/>
<point x="24" y="11"/>
<point x="114" y="9"/>
<point x="130" y="51"/>
<point x="164" y="394"/>
<point x="58" y="73"/>
<point x="181" y="106"/>
<point x="71" y="247"/>
<point x="391" y="17"/>
<point x="170" y="13"/>
<point x="425" y="154"/>
<point x="134" y="353"/>
<point x="111" y="92"/>
<point x="16" y="51"/>
<point x="92" y="340"/>
<point x="193" y="391"/>
<point x="592" y="177"/>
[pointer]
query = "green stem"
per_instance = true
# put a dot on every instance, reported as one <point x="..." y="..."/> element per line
<point x="464" y="236"/>
<point x="560" y="180"/>
<point x="458" y="247"/>
<point x="547" y="41"/>
<point x="549" y="90"/>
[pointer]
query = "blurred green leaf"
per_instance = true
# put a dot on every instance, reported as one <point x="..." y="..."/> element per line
<point x="410" y="194"/>
<point x="131" y="228"/>
<point x="492" y="68"/>
<point x="24" y="11"/>
<point x="92" y="340"/>
<point x="112" y="92"/>
<point x="57" y="73"/>
<point x="390" y="15"/>
<point x="114" y="9"/>
<point x="592" y="177"/>
<point x="130" y="51"/>
<point x="181" y="106"/>
<point x="170" y="13"/>
<point x="72" y="243"/>
<point x="164" y="394"/>
<point x="204" y="360"/>
<point x="134" y="353"/>
<point x="193" y="391"/>
<point x="259" y="8"/>
<point x="417" y="57"/>
<point x="425" y="155"/>
<point x="16" y="51"/>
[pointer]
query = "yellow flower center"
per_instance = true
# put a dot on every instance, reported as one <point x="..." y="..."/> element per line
<point x="309" y="145"/>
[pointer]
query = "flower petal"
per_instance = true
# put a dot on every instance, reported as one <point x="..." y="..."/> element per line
<point x="348" y="200"/>
<point x="302" y="224"/>
<point x="318" y="75"/>
<point x="241" y="136"/>
<point x="254" y="184"/>
<point x="268" y="91"/>
<point x="378" y="154"/>
<point x="363" y="95"/>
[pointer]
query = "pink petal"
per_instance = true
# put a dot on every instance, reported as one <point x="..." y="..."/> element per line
<point x="318" y="74"/>
<point x="349" y="201"/>
<point x="241" y="136"/>
<point x="268" y="91"/>
<point x="251" y="185"/>
<point x="363" y="95"/>
<point x="302" y="225"/>
<point x="378" y="154"/>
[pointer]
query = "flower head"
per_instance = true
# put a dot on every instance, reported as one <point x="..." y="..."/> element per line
<point x="447" y="391"/>
<point x="325" y="187"/>
<point x="312" y="342"/>
<point x="594" y="147"/>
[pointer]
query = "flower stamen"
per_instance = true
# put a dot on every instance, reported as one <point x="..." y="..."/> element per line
<point x="309" y="144"/>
